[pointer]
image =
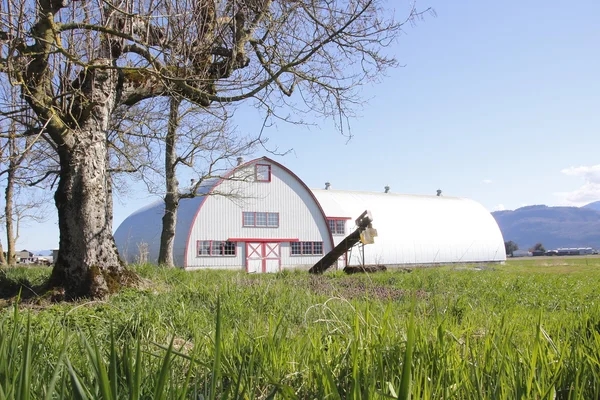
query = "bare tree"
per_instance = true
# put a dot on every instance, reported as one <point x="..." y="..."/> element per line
<point x="26" y="160"/>
<point x="77" y="61"/>
<point x="201" y="142"/>
<point x="2" y="258"/>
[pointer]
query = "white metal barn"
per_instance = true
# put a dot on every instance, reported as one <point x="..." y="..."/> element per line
<point x="416" y="229"/>
<point x="262" y="218"/>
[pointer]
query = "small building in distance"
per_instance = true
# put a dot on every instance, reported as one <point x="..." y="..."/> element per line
<point x="25" y="257"/>
<point x="574" y="251"/>
<point x="522" y="253"/>
<point x="261" y="217"/>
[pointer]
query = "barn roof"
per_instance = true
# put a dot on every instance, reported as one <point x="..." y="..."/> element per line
<point x="145" y="225"/>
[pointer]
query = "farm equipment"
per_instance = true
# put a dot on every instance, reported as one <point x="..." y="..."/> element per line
<point x="364" y="233"/>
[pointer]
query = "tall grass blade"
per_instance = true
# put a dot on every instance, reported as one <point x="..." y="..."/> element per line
<point x="159" y="390"/>
<point x="113" y="366"/>
<point x="405" y="382"/>
<point x="217" y="360"/>
<point x="57" y="369"/>
<point x="136" y="384"/>
<point x="23" y="392"/>
<point x="79" y="392"/>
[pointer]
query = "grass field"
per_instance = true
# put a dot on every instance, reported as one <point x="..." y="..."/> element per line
<point x="529" y="329"/>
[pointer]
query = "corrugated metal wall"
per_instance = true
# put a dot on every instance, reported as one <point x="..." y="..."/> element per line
<point x="412" y="229"/>
<point x="418" y="229"/>
<point x="220" y="217"/>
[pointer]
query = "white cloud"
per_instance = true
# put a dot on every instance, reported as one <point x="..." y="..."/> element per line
<point x="499" y="207"/>
<point x="487" y="181"/>
<point x="588" y="192"/>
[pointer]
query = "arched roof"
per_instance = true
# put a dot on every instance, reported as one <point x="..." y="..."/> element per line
<point x="415" y="229"/>
<point x="145" y="224"/>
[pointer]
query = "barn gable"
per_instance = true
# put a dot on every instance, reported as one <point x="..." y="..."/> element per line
<point x="263" y="208"/>
<point x="216" y="230"/>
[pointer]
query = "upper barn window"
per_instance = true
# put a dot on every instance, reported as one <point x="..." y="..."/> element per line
<point x="260" y="219"/>
<point x="337" y="226"/>
<point x="263" y="173"/>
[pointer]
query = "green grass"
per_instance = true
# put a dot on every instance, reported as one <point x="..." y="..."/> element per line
<point x="529" y="329"/>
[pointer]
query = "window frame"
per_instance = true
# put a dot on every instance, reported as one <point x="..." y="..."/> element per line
<point x="334" y="225"/>
<point x="255" y="214"/>
<point x="213" y="248"/>
<point x="297" y="249"/>
<point x="257" y="175"/>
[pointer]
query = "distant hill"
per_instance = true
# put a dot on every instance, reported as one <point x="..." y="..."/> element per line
<point x="43" y="253"/>
<point x="553" y="226"/>
<point x="594" y="206"/>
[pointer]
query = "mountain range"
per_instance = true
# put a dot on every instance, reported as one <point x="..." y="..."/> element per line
<point x="554" y="227"/>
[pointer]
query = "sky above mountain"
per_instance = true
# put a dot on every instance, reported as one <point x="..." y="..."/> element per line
<point x="495" y="101"/>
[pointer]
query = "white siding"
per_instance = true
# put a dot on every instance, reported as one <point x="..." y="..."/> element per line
<point x="144" y="226"/>
<point x="220" y="217"/>
<point x="418" y="229"/>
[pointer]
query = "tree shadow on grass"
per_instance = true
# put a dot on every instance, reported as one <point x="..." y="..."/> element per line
<point x="19" y="284"/>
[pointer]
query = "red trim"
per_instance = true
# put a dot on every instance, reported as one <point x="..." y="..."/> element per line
<point x="260" y="240"/>
<point x="263" y="254"/>
<point x="312" y="248"/>
<point x="312" y="195"/>
<point x="267" y="213"/>
<point x="256" y="172"/>
<point x="210" y="249"/>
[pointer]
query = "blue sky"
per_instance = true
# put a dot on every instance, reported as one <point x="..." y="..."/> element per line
<point x="497" y="101"/>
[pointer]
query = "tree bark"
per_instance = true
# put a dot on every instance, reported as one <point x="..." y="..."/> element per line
<point x="2" y="259"/>
<point x="88" y="263"/>
<point x="11" y="258"/>
<point x="169" y="220"/>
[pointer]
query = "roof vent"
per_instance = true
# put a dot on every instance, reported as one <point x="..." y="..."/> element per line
<point x="387" y="189"/>
<point x="240" y="161"/>
<point x="327" y="185"/>
<point x="439" y="192"/>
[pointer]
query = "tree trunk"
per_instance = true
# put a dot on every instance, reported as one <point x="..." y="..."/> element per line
<point x="88" y="263"/>
<point x="2" y="259"/>
<point x="169" y="220"/>
<point x="11" y="258"/>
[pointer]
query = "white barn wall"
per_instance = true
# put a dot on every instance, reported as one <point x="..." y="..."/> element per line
<point x="220" y="217"/>
<point x="412" y="229"/>
<point x="145" y="225"/>
<point x="418" y="229"/>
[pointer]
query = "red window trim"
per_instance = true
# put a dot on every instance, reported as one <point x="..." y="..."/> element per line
<point x="260" y="240"/>
<point x="312" y="242"/>
<point x="259" y="226"/>
<point x="211" y="249"/>
<point x="256" y="166"/>
<point x="334" y="231"/>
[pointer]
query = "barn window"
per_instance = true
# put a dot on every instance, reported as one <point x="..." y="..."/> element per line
<point x="204" y="247"/>
<point x="260" y="219"/>
<point x="263" y="173"/>
<point x="317" y="248"/>
<point x="273" y="219"/>
<point x="248" y="218"/>
<point x="337" y="226"/>
<point x="296" y="248"/>
<point x="306" y="248"/>
<point x="216" y="248"/>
